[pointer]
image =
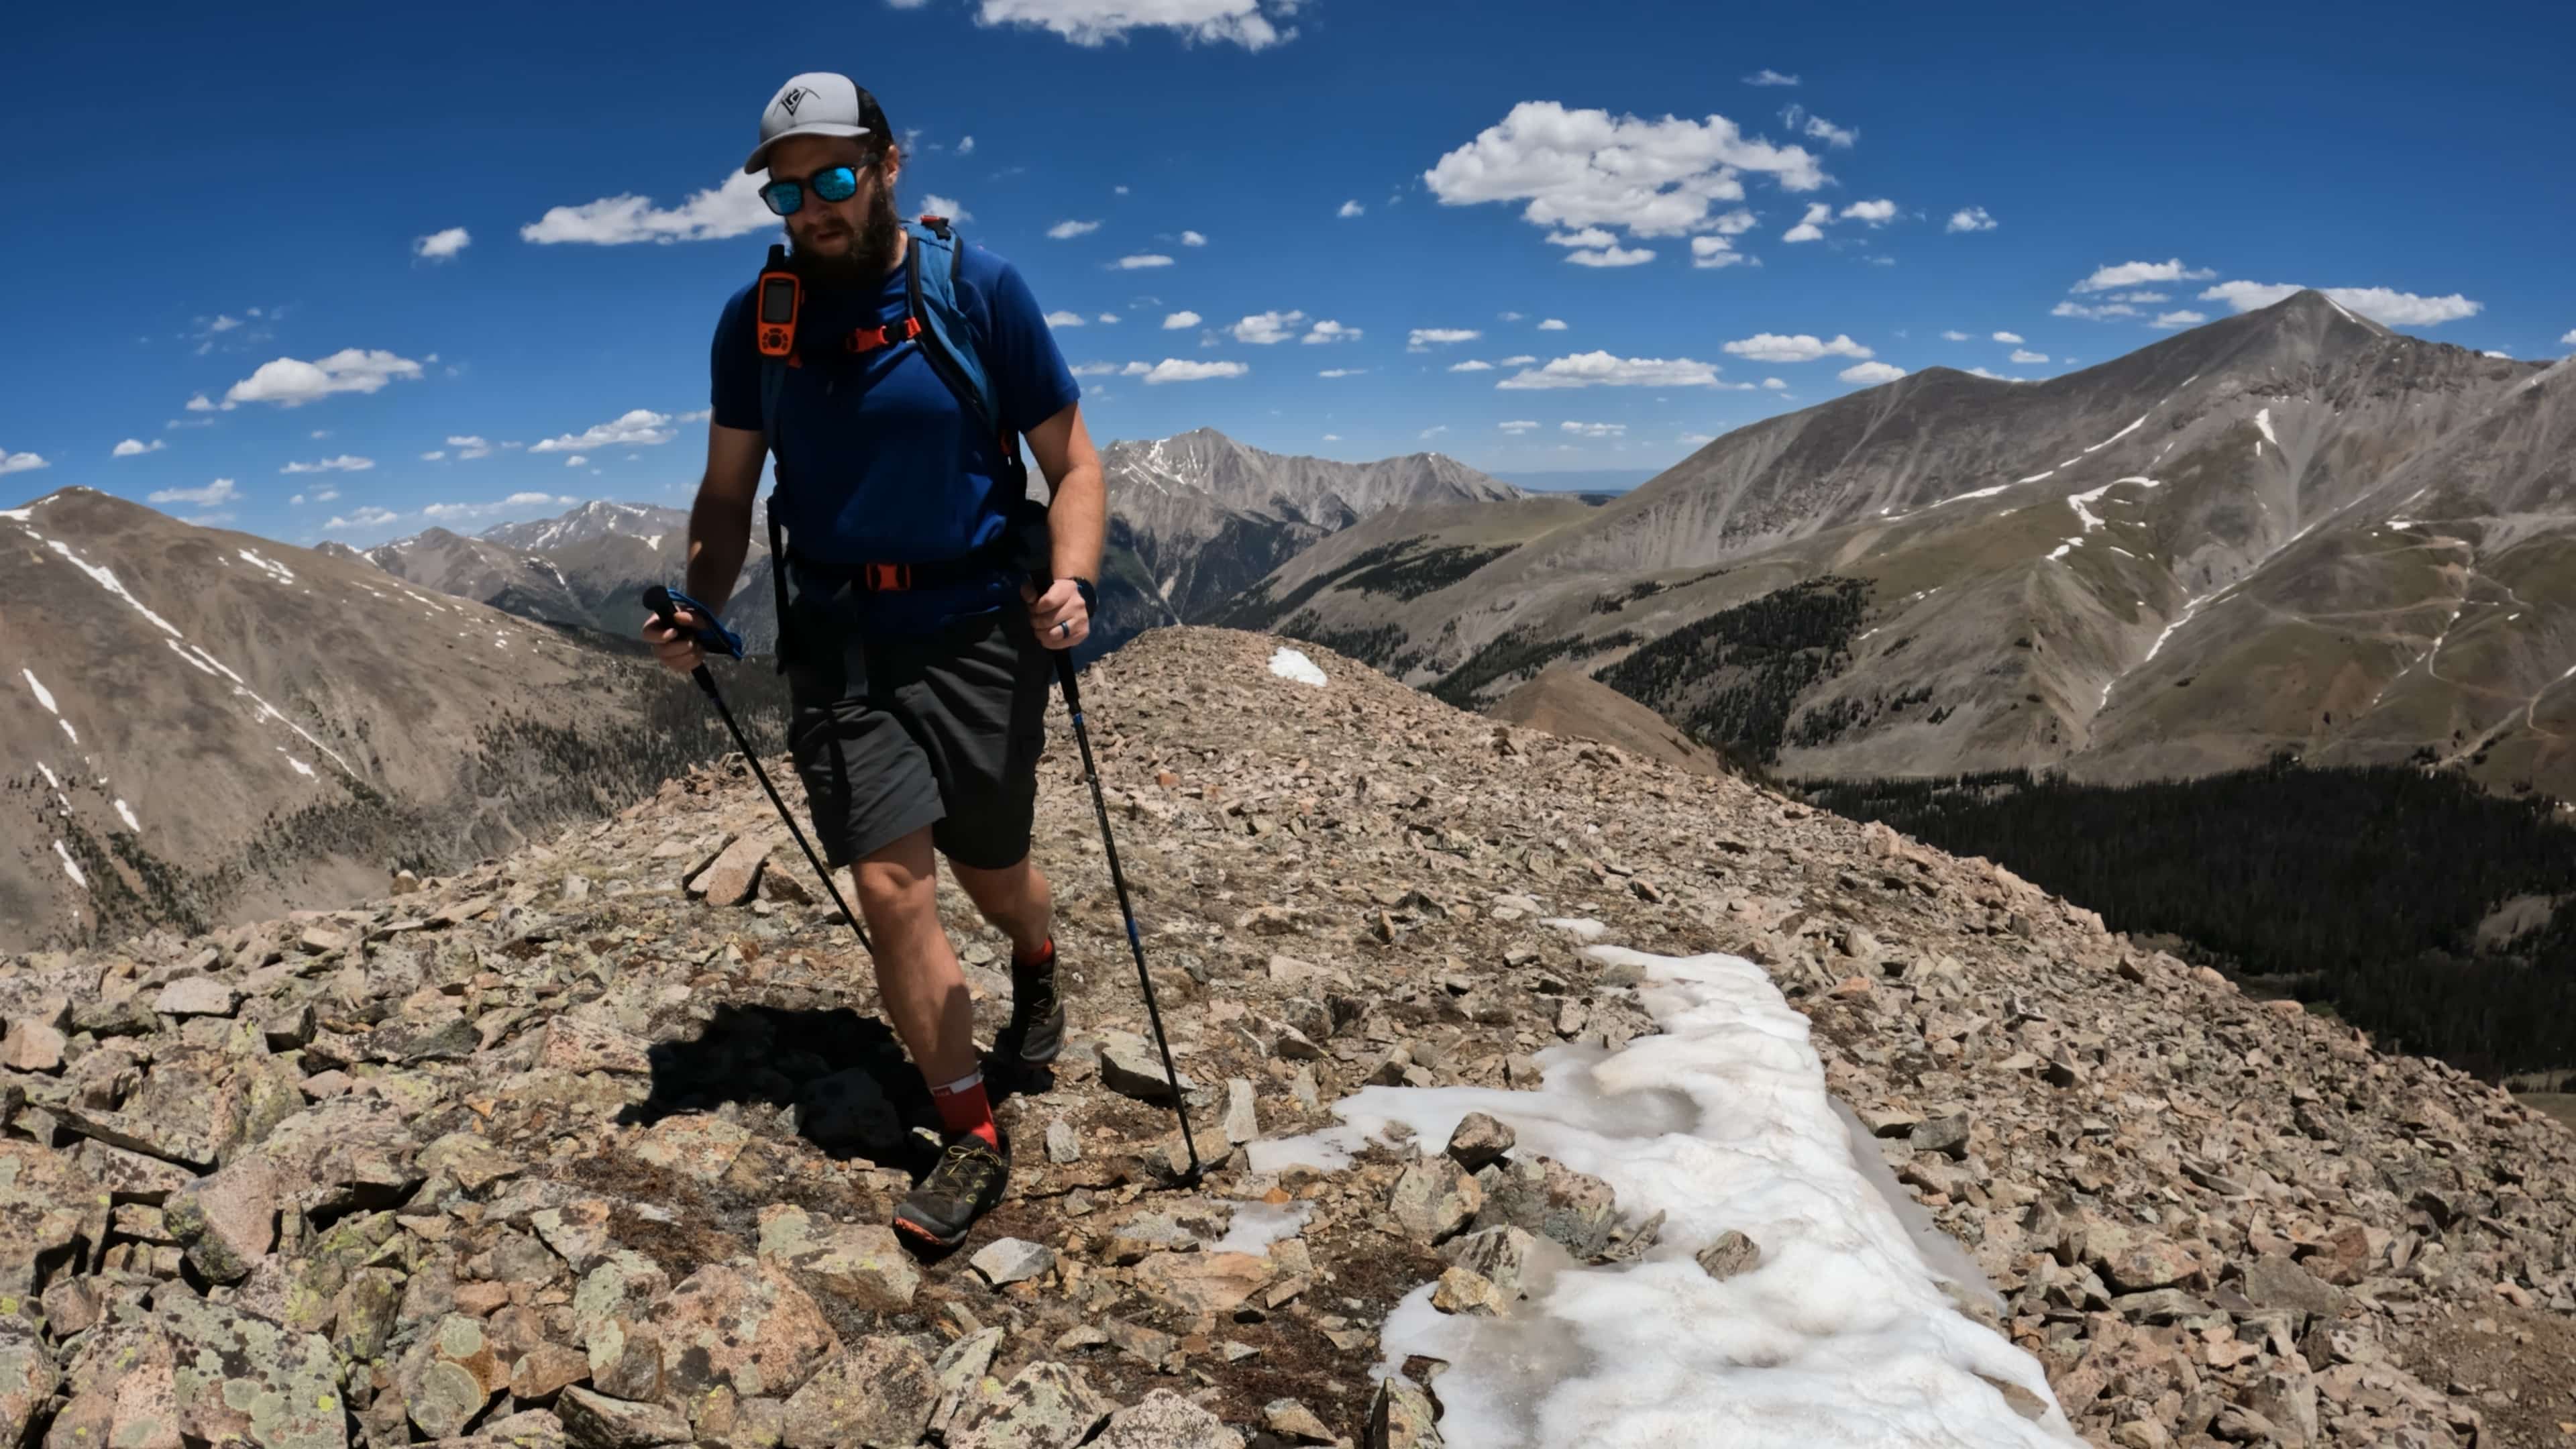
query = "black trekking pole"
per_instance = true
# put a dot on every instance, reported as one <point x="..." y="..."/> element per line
<point x="1118" y="878"/>
<point x="659" y="600"/>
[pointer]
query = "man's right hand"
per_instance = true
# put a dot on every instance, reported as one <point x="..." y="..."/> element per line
<point x="676" y="647"/>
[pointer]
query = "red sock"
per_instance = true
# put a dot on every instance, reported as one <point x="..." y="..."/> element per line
<point x="1046" y="953"/>
<point x="963" y="1107"/>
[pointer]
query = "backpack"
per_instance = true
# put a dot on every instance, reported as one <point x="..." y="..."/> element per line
<point x="940" y="326"/>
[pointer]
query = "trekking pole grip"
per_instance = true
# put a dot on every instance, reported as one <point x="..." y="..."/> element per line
<point x="658" y="599"/>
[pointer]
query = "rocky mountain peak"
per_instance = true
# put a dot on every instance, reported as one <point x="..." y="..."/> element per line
<point x="630" y="1074"/>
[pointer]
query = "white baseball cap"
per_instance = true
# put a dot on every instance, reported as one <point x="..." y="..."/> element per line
<point x="817" y="103"/>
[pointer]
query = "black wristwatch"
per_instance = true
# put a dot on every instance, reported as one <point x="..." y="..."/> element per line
<point x="1090" y="595"/>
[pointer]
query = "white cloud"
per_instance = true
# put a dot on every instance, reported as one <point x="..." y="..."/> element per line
<point x="199" y="404"/>
<point x="2025" y="355"/>
<point x="638" y="426"/>
<point x="1068" y="230"/>
<point x="1173" y="369"/>
<point x="575" y="461"/>
<point x="342" y="464"/>
<point x="2129" y="274"/>
<point x="1422" y="336"/>
<point x="1140" y="260"/>
<point x="1433" y="431"/>
<point x="2570" y="339"/>
<point x="1971" y="218"/>
<point x="1811" y="226"/>
<point x="1179" y="320"/>
<point x="2093" y="314"/>
<point x="2491" y="352"/>
<point x="2380" y="304"/>
<point x="1265" y="328"/>
<point x="1775" y="384"/>
<point x="2184" y="317"/>
<point x="434" y="455"/>
<point x="364" y="518"/>
<point x="1601" y="369"/>
<point x="1715" y="251"/>
<point x="730" y="209"/>
<point x="1954" y="335"/>
<point x="1471" y="365"/>
<point x="318" y="434"/>
<point x="1350" y="209"/>
<point x="1135" y="369"/>
<point x="1587" y="168"/>
<point x="1519" y="360"/>
<point x="469" y="447"/>
<point x="1594" y="430"/>
<point x="21" y="462"/>
<point x="1092" y="22"/>
<point x="1328" y="330"/>
<point x="1590" y="236"/>
<point x="1870" y="372"/>
<point x="1110" y="319"/>
<point x="699" y="416"/>
<point x="1992" y="376"/>
<point x="1695" y="439"/>
<point x="288" y="382"/>
<point x="947" y="206"/>
<point x="132" y="446"/>
<point x="219" y="491"/>
<point x="1552" y="324"/>
<point x="1817" y="128"/>
<point x="1332" y="437"/>
<point x="1096" y="369"/>
<point x="438" y="246"/>
<point x="226" y="324"/>
<point x="1612" y="257"/>
<point x="1341" y="372"/>
<point x="517" y="500"/>
<point x="2011" y="337"/>
<point x="1876" y="213"/>
<point x="2139" y="297"/>
<point x="1192" y="239"/>
<point x="1769" y="77"/>
<point x="1772" y="347"/>
<point x="1121" y="190"/>
<point x="1062" y="318"/>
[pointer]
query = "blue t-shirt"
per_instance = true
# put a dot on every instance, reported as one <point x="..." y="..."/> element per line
<point x="878" y="461"/>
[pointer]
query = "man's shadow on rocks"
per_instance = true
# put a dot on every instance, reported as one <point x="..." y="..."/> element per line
<point x="840" y="1077"/>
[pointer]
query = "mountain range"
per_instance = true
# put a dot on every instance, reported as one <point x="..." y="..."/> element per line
<point x="2290" y="532"/>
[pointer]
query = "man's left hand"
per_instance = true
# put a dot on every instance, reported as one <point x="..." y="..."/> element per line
<point x="1058" y="614"/>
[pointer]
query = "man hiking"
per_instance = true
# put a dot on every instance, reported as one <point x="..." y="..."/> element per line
<point x="891" y="370"/>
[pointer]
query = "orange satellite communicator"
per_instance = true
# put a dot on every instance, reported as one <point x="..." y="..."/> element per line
<point x="781" y="293"/>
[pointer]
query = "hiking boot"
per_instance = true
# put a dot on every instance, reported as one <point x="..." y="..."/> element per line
<point x="942" y="1208"/>
<point x="1036" y="1030"/>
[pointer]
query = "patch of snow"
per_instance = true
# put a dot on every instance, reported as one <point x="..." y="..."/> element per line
<point x="1842" y="1335"/>
<point x="1291" y="664"/>
<point x="44" y="696"/>
<point x="2063" y="549"/>
<point x="1584" y="928"/>
<point x="49" y="775"/>
<point x="1257" y="1225"/>
<point x="1981" y="492"/>
<point x="2035" y="477"/>
<point x="17" y="515"/>
<point x="301" y="768"/>
<point x="71" y="867"/>
<point x="126" y="813"/>
<point x="106" y="579"/>
<point x="2115" y="437"/>
<point x="277" y="571"/>
<point x="2263" y="420"/>
<point x="73" y="734"/>
<point x="193" y="661"/>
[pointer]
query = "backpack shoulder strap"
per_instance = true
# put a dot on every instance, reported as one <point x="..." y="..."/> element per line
<point x="948" y="338"/>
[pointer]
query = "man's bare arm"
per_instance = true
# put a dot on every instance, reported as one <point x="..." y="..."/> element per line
<point x="1078" y="515"/>
<point x="720" y="521"/>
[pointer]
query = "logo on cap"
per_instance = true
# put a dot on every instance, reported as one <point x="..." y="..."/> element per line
<point x="790" y="101"/>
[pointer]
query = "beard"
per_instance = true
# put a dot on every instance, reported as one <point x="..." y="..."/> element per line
<point x="871" y="253"/>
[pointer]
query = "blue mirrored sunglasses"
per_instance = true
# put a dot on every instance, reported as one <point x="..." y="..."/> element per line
<point x="786" y="196"/>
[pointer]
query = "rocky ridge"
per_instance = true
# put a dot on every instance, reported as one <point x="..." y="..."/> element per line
<point x="594" y="1144"/>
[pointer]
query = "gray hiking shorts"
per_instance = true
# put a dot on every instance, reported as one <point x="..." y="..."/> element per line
<point x="940" y="728"/>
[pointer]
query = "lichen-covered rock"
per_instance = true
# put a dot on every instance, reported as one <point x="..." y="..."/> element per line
<point x="879" y="1394"/>
<point x="748" y="1329"/>
<point x="1165" y="1420"/>
<point x="1045" y="1406"/>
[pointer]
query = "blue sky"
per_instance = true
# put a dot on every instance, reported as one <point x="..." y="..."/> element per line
<point x="259" y="213"/>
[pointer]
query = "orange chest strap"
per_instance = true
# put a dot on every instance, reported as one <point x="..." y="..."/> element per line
<point x="869" y="339"/>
